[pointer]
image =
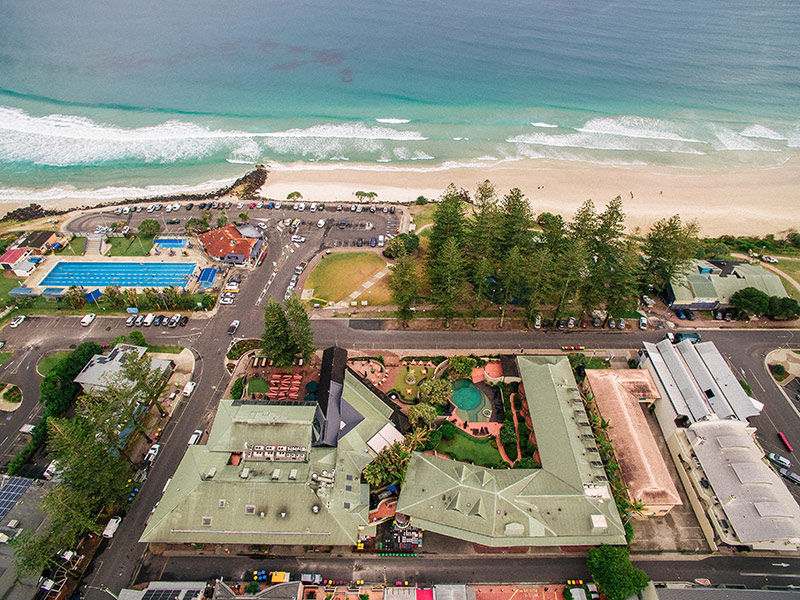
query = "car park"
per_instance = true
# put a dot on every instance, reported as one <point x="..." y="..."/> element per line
<point x="87" y="320"/>
<point x="779" y="460"/>
<point x="189" y="388"/>
<point x="130" y="321"/>
<point x="195" y="439"/>
<point x="17" y="321"/>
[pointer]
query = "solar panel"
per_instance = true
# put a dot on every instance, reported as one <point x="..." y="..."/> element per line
<point x="10" y="491"/>
<point x="170" y="594"/>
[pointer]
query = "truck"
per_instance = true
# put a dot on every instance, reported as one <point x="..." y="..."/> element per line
<point x="279" y="576"/>
<point x="694" y="337"/>
<point x="301" y="267"/>
<point x="112" y="527"/>
<point x="311" y="579"/>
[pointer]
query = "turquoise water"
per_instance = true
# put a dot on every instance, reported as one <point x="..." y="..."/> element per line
<point x="112" y="97"/>
<point x="90" y="274"/>
<point x="466" y="395"/>
<point x="170" y="242"/>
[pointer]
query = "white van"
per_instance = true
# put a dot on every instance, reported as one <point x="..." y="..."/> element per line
<point x="87" y="320"/>
<point x="381" y="241"/>
<point x="112" y="527"/>
<point x="189" y="388"/>
<point x="148" y="320"/>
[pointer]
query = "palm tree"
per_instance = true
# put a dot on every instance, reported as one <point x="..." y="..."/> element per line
<point x="416" y="439"/>
<point x="294" y="196"/>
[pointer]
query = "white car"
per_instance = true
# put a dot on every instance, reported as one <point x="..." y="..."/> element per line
<point x="189" y="388"/>
<point x="321" y="223"/>
<point x="262" y="225"/>
<point x="152" y="453"/>
<point x="298" y="238"/>
<point x="17" y="322"/>
<point x="112" y="527"/>
<point x="151" y="208"/>
<point x="278" y="205"/>
<point x="260" y="205"/>
<point x="240" y="205"/>
<point x="226" y="300"/>
<point x="195" y="437"/>
<point x="642" y="323"/>
<point x="301" y="207"/>
<point x="233" y="327"/>
<point x="130" y="321"/>
<point x="169" y="208"/>
<point x="87" y="320"/>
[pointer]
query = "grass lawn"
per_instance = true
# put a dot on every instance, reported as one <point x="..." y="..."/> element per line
<point x="73" y="247"/>
<point x="341" y="273"/>
<point x="596" y="362"/>
<point x="466" y="448"/>
<point x="379" y="294"/>
<point x="6" y="285"/>
<point x="257" y="386"/>
<point x="48" y="362"/>
<point x="400" y="383"/>
<point x="134" y="246"/>
<point x="4" y="356"/>
<point x="164" y="348"/>
<point x="792" y="269"/>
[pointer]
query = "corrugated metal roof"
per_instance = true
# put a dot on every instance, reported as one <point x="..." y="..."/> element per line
<point x="680" y="374"/>
<point x="667" y="381"/>
<point x="727" y="382"/>
<point x="704" y="380"/>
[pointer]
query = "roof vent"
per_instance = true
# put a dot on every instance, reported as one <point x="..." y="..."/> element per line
<point x="261" y="514"/>
<point x="283" y="514"/>
<point x="276" y="474"/>
<point x="315" y="509"/>
<point x="211" y="472"/>
<point x="293" y="474"/>
<point x="245" y="473"/>
<point x="13" y="523"/>
<point x="314" y="477"/>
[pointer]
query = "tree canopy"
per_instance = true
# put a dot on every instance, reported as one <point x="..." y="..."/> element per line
<point x="614" y="574"/>
<point x="287" y="331"/>
<point x="149" y="228"/>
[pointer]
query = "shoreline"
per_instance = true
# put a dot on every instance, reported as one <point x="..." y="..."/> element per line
<point x="744" y="201"/>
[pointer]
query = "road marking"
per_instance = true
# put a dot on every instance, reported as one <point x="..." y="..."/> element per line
<point x="757" y="381"/>
<point x="789" y="575"/>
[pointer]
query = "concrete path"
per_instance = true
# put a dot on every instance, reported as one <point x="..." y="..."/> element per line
<point x="366" y="285"/>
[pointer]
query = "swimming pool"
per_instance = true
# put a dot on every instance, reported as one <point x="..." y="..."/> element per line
<point x="123" y="274"/>
<point x="170" y="242"/>
<point x="466" y="395"/>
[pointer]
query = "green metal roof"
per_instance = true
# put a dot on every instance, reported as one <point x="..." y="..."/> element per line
<point x="276" y="502"/>
<point x="694" y="286"/>
<point x="566" y="502"/>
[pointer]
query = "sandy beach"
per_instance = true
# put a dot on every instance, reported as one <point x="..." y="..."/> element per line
<point x="741" y="202"/>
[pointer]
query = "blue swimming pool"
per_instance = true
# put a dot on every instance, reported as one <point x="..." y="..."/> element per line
<point x="170" y="242"/>
<point x="123" y="274"/>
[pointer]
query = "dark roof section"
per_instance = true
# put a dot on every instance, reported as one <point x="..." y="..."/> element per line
<point x="334" y="361"/>
<point x="726" y="266"/>
<point x="37" y="239"/>
<point x="509" y="364"/>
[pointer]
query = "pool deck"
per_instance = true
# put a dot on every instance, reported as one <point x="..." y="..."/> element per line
<point x="35" y="280"/>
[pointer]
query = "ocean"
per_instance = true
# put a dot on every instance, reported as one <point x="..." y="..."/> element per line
<point x="120" y="98"/>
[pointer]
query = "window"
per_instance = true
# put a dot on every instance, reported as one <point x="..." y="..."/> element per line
<point x="349" y="488"/>
<point x="347" y="505"/>
<point x="709" y="393"/>
<point x="206" y="521"/>
<point x="250" y="509"/>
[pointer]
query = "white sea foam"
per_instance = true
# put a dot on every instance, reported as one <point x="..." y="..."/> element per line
<point x="392" y="121"/>
<point x="487" y="158"/>
<point x="727" y="139"/>
<point x="422" y="156"/>
<point x="548" y="125"/>
<point x="759" y="131"/>
<point x="446" y="166"/>
<point x="635" y="127"/>
<point x="63" y="140"/>
<point x="603" y="141"/>
<point x="46" y="196"/>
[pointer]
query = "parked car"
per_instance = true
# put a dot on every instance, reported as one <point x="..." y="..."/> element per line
<point x="571" y="322"/>
<point x="173" y="221"/>
<point x="233" y="327"/>
<point x="87" y="320"/>
<point x="270" y="205"/>
<point x="790" y="475"/>
<point x="612" y="324"/>
<point x="139" y="320"/>
<point x="537" y="324"/>
<point x="17" y="321"/>
<point x="689" y="314"/>
<point x="391" y="210"/>
<point x="298" y="239"/>
<point x="373" y="241"/>
<point x="339" y="207"/>
<point x="130" y="321"/>
<point x="189" y="388"/>
<point x="190" y="206"/>
<point x="158" y="320"/>
<point x="680" y="314"/>
<point x="184" y="320"/>
<point x="152" y="453"/>
<point x="226" y="301"/>
<point x="321" y="223"/>
<point x="642" y="323"/>
<point x="779" y="460"/>
<point x="195" y="437"/>
<point x="278" y="205"/>
<point x="111" y="527"/>
<point x="597" y="321"/>
<point x="621" y="324"/>
<point x="560" y="324"/>
<point x="359" y="242"/>
<point x="173" y="322"/>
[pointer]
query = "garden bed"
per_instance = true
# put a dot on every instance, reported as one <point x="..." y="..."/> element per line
<point x="465" y="448"/>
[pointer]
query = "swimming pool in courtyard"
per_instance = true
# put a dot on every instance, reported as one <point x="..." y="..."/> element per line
<point x="123" y="274"/>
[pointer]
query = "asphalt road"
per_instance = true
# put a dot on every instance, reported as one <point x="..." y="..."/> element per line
<point x="208" y="338"/>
